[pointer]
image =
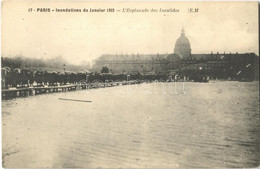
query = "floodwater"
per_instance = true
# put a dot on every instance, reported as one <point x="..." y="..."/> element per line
<point x="157" y="125"/>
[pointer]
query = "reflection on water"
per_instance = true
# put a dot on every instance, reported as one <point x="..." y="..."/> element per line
<point x="139" y="126"/>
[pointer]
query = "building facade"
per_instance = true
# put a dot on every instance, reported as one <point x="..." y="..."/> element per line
<point x="182" y="62"/>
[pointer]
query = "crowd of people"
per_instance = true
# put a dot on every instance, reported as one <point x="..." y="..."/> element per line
<point x="25" y="78"/>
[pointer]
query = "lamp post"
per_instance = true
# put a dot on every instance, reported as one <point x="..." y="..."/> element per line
<point x="87" y="87"/>
<point x="87" y="78"/>
<point x="127" y="78"/>
<point x="202" y="71"/>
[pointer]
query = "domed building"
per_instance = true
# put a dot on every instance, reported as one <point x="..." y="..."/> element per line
<point x="182" y="62"/>
<point x="182" y="46"/>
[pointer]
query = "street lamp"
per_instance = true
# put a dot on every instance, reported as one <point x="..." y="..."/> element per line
<point x="87" y="86"/>
<point x="87" y="78"/>
<point x="128" y="77"/>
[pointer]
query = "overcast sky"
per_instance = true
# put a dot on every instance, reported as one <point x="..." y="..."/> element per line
<point x="79" y="37"/>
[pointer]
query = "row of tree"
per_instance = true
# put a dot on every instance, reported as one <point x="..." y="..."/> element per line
<point x="54" y="64"/>
<point x="26" y="78"/>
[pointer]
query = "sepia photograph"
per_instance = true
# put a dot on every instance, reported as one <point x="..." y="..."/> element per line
<point x="128" y="84"/>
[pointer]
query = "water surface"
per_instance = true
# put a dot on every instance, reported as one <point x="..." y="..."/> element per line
<point x="212" y="124"/>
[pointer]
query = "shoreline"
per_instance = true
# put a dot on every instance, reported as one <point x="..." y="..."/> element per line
<point x="11" y="93"/>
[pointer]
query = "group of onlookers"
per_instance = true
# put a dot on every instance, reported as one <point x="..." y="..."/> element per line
<point x="26" y="78"/>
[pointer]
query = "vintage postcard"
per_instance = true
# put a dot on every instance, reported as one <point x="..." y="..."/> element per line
<point x="130" y="84"/>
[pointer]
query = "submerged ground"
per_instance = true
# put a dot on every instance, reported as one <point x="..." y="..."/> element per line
<point x="153" y="125"/>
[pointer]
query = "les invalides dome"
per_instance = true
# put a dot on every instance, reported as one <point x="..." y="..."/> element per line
<point x="182" y="46"/>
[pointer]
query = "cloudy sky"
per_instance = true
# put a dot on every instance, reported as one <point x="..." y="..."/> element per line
<point x="82" y="37"/>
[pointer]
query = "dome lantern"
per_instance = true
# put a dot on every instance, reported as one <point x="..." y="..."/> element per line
<point x="182" y="32"/>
